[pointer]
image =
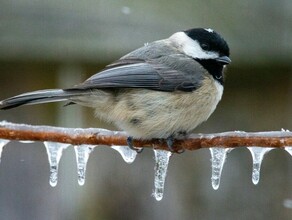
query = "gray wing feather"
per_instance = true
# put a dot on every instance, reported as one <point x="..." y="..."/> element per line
<point x="138" y="73"/>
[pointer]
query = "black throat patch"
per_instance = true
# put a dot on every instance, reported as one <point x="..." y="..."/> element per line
<point x="214" y="68"/>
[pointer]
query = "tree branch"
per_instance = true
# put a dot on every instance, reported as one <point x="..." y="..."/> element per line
<point x="96" y="136"/>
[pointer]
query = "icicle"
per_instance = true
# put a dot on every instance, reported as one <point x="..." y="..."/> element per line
<point x="82" y="154"/>
<point x="218" y="157"/>
<point x="54" y="151"/>
<point x="161" y="164"/>
<point x="289" y="150"/>
<point x="257" y="154"/>
<point x="3" y="142"/>
<point x="127" y="154"/>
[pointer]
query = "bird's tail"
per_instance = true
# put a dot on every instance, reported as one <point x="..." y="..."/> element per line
<point x="40" y="96"/>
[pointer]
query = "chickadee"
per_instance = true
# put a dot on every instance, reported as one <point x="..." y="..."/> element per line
<point x="164" y="89"/>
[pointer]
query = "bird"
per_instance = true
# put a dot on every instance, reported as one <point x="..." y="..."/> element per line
<point x="162" y="90"/>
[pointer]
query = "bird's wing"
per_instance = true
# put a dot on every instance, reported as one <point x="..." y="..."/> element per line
<point x="138" y="73"/>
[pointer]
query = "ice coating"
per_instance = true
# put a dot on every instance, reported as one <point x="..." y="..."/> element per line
<point x="285" y="135"/>
<point x="127" y="154"/>
<point x="218" y="157"/>
<point x="160" y="170"/>
<point x="289" y="150"/>
<point x="257" y="154"/>
<point x="3" y="142"/>
<point x="267" y="134"/>
<point x="54" y="151"/>
<point x="82" y="154"/>
<point x="73" y="131"/>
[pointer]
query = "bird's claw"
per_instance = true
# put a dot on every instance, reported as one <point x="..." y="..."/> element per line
<point x="131" y="146"/>
<point x="169" y="142"/>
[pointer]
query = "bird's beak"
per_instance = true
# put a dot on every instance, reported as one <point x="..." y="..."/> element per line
<point x="224" y="59"/>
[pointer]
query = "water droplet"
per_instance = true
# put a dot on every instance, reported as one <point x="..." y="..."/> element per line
<point x="287" y="203"/>
<point x="127" y="154"/>
<point x="3" y="142"/>
<point x="54" y="151"/>
<point x="218" y="157"/>
<point x="160" y="170"/>
<point x="82" y="154"/>
<point x="257" y="154"/>
<point x="126" y="10"/>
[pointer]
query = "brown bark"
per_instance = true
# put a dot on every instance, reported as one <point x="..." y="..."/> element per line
<point x="92" y="136"/>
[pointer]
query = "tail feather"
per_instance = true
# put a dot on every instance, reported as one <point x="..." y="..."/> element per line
<point x="38" y="97"/>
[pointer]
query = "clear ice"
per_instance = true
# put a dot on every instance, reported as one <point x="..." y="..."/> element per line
<point x="54" y="151"/>
<point x="257" y="154"/>
<point x="127" y="154"/>
<point x="160" y="170"/>
<point x="82" y="154"/>
<point x="218" y="157"/>
<point x="3" y="142"/>
<point x="289" y="150"/>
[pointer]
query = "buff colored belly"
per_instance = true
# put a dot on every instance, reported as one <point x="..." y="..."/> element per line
<point x="149" y="114"/>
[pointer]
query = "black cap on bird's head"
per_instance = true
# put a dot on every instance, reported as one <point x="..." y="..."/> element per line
<point x="210" y="40"/>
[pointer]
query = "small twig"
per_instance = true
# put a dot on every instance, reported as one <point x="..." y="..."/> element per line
<point x="96" y="136"/>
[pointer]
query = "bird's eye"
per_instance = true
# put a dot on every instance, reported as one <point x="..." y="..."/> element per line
<point x="205" y="47"/>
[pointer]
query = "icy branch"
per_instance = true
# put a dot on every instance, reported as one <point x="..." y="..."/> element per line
<point x="96" y="136"/>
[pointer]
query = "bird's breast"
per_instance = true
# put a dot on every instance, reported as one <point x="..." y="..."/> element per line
<point x="150" y="114"/>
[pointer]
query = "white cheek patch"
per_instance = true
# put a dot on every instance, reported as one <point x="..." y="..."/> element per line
<point x="191" y="47"/>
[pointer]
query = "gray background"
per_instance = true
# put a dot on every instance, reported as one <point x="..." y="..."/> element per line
<point x="58" y="43"/>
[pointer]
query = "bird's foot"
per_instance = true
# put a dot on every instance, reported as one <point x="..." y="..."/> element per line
<point x="131" y="146"/>
<point x="169" y="142"/>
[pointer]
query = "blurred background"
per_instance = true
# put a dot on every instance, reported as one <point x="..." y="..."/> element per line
<point x="58" y="43"/>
